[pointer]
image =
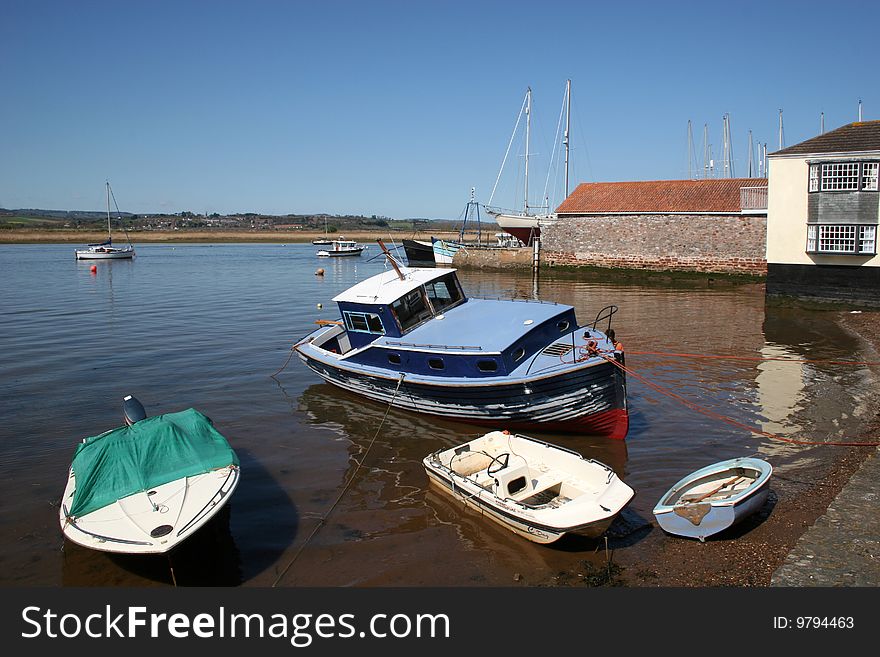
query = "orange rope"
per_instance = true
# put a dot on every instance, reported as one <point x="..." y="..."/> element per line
<point x="754" y="358"/>
<point x="729" y="420"/>
<point x="586" y="352"/>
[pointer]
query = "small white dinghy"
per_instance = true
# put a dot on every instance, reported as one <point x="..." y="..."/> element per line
<point x="714" y="498"/>
<point x="145" y="487"/>
<point x="539" y="491"/>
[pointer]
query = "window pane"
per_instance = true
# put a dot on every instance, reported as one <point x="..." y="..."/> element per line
<point x="840" y="176"/>
<point x="837" y="239"/>
<point x="814" y="177"/>
<point x="375" y="324"/>
<point x="867" y="239"/>
<point x="869" y="176"/>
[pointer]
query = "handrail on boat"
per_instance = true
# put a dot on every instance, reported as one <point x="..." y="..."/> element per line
<point x="605" y="313"/>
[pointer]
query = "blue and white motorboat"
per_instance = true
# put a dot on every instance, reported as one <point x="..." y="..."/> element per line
<point x="714" y="498"/>
<point x="410" y="337"/>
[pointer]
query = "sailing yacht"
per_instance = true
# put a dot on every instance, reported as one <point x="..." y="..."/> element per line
<point x="105" y="250"/>
<point x="526" y="225"/>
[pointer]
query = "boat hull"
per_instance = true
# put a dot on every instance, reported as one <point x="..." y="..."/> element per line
<point x="150" y="522"/>
<point x="99" y="255"/>
<point x="588" y="399"/>
<point x="418" y="253"/>
<point x="701" y="519"/>
<point x="339" y="254"/>
<point x="444" y="252"/>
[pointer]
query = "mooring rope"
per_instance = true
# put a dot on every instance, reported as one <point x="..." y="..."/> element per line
<point x="345" y="488"/>
<point x="755" y="358"/>
<point x="723" y="418"/>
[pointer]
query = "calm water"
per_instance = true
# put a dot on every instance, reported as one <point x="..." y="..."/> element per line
<point x="207" y="326"/>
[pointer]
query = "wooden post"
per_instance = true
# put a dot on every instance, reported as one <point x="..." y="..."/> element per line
<point x="536" y="253"/>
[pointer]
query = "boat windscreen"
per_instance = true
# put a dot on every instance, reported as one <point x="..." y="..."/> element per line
<point x="149" y="453"/>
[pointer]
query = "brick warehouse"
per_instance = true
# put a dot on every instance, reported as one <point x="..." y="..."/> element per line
<point x="710" y="225"/>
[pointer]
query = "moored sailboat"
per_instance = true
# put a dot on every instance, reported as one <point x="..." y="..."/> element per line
<point x="105" y="250"/>
<point x="526" y="225"/>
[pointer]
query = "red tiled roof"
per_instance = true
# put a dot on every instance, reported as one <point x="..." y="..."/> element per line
<point x="712" y="195"/>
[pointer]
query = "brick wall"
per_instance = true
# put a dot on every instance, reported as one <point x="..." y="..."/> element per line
<point x="733" y="244"/>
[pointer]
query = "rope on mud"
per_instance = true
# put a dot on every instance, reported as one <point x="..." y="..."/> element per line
<point x="345" y="489"/>
<point x="723" y="418"/>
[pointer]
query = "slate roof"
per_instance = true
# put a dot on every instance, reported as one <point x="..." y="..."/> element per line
<point x="721" y="195"/>
<point x="851" y="138"/>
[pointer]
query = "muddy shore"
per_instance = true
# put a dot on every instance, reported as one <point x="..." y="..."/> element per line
<point x="748" y="554"/>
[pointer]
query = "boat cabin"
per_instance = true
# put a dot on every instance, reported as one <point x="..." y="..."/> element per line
<point x="423" y="323"/>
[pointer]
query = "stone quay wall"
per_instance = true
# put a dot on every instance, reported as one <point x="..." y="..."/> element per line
<point x="731" y="244"/>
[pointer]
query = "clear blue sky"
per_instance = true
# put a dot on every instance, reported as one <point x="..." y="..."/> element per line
<point x="398" y="108"/>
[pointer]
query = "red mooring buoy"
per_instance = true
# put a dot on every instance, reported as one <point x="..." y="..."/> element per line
<point x="93" y="269"/>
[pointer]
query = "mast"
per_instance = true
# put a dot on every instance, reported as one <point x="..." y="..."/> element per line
<point x="528" y="128"/>
<point x="567" y="129"/>
<point x="109" y="235"/>
<point x="751" y="157"/>
<point x="781" y="134"/>
<point x="707" y="155"/>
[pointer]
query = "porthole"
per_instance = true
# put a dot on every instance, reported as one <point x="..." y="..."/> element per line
<point x="518" y="354"/>
<point x="487" y="365"/>
<point x="562" y="326"/>
<point x="436" y="363"/>
<point x="394" y="359"/>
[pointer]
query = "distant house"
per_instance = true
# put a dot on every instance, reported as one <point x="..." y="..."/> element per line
<point x="822" y="221"/>
<point x="708" y="225"/>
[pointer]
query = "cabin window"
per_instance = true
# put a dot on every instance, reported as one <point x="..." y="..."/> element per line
<point x="436" y="363"/>
<point x="518" y="354"/>
<point x="562" y="326"/>
<point x="410" y="309"/>
<point x="364" y="323"/>
<point x="394" y="359"/>
<point x="444" y="292"/>
<point x="487" y="365"/>
<point x="842" y="239"/>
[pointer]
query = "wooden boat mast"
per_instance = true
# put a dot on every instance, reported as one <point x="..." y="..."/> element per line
<point x="390" y="259"/>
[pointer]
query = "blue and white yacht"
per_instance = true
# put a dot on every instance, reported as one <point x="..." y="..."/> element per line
<point x="409" y="337"/>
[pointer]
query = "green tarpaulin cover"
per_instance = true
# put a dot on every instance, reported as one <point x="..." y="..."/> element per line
<point x="149" y="453"/>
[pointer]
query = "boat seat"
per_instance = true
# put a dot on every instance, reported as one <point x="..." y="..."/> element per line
<point x="515" y="480"/>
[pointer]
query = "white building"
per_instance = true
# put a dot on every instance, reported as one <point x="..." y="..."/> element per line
<point x="822" y="217"/>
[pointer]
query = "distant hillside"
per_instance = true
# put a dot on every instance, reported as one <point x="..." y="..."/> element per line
<point x="82" y="219"/>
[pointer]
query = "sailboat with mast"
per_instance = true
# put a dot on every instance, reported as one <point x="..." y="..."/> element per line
<point x="105" y="250"/>
<point x="526" y="224"/>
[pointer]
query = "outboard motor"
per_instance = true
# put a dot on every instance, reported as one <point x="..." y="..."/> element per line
<point x="132" y="410"/>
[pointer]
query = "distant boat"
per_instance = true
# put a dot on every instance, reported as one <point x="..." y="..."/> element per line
<point x="539" y="491"/>
<point x="419" y="253"/>
<point x="714" y="498"/>
<point x="342" y="247"/>
<point x="147" y="486"/>
<point x="526" y="225"/>
<point x="105" y="250"/>
<point x="444" y="250"/>
<point x="323" y="240"/>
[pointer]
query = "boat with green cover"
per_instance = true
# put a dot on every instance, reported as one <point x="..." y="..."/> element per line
<point x="144" y="488"/>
